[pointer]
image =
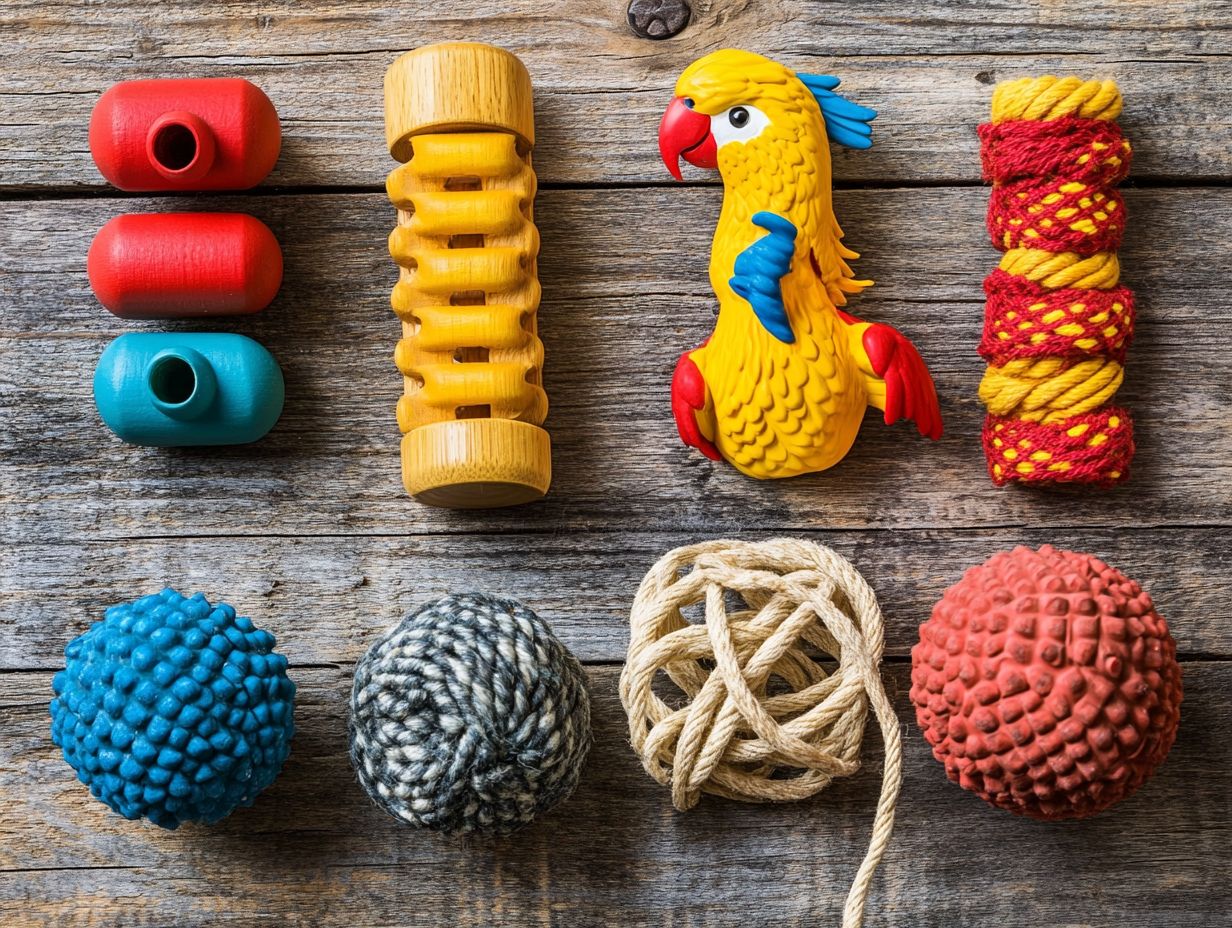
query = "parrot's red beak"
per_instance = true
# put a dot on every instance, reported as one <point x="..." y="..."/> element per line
<point x="685" y="133"/>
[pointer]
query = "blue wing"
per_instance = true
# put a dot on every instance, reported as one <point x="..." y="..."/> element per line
<point x="759" y="271"/>
<point x="847" y="123"/>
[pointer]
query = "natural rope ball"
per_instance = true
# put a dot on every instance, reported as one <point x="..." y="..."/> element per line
<point x="469" y="715"/>
<point x="760" y="717"/>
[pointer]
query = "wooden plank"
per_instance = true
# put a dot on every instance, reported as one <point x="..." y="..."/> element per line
<point x="926" y="66"/>
<point x="620" y="304"/>
<point x="310" y="534"/>
<point x="314" y="852"/>
<point x="325" y="598"/>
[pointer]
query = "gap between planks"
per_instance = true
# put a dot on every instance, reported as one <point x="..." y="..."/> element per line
<point x="53" y="193"/>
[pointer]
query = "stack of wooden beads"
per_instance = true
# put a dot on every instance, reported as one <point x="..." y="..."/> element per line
<point x="172" y="389"/>
<point x="1058" y="321"/>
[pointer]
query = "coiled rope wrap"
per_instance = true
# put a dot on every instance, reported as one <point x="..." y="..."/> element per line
<point x="761" y="718"/>
<point x="1057" y="322"/>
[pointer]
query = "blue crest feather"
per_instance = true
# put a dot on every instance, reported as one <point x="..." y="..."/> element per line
<point x="847" y="123"/>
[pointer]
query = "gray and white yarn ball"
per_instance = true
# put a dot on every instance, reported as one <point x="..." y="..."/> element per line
<point x="469" y="715"/>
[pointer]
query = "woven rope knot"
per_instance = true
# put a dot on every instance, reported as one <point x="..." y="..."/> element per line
<point x="469" y="715"/>
<point x="1057" y="321"/>
<point x="761" y="713"/>
<point x="1090" y="150"/>
<point x="1027" y="320"/>
<point x="1056" y="215"/>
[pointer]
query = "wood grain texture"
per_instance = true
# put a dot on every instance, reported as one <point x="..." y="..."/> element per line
<point x="315" y="852"/>
<point x="462" y="112"/>
<point x="456" y="87"/>
<point x="927" y="66"/>
<point x="309" y="531"/>
<point x="327" y="598"/>
<point x="619" y="306"/>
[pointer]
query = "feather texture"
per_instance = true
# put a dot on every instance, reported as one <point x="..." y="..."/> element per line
<point x="847" y="123"/>
<point x="787" y="376"/>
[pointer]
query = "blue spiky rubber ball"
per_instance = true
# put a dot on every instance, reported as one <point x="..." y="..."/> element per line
<point x="174" y="710"/>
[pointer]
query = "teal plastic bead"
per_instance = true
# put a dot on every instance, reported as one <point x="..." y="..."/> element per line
<point x="192" y="388"/>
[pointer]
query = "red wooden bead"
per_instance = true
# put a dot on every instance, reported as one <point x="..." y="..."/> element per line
<point x="171" y="265"/>
<point x="218" y="133"/>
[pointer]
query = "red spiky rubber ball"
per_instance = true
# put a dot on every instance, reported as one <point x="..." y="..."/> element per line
<point x="1047" y="684"/>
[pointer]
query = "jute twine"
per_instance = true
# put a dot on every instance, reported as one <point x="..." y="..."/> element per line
<point x="763" y="720"/>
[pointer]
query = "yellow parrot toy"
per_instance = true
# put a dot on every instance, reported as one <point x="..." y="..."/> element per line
<point x="780" y="387"/>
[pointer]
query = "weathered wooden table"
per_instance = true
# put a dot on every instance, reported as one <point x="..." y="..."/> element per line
<point x="309" y="531"/>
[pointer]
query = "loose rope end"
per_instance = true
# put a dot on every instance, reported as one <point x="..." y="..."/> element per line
<point x="735" y="735"/>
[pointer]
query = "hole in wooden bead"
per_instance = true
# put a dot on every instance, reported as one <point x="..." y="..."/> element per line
<point x="474" y="412"/>
<point x="173" y="381"/>
<point x="466" y="182"/>
<point x="175" y="146"/>
<point x="470" y="355"/>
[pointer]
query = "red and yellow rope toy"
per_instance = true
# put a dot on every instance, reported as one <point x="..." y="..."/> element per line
<point x="1057" y="321"/>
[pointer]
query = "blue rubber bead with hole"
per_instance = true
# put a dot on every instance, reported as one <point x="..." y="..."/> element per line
<point x="136" y="713"/>
<point x="188" y="388"/>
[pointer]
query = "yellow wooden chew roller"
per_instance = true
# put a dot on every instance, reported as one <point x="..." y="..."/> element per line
<point x="460" y="118"/>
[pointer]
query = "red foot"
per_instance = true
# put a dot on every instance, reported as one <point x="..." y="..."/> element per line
<point x="689" y="396"/>
<point x="910" y="393"/>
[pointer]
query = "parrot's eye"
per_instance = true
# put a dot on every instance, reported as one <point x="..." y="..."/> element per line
<point x="738" y="124"/>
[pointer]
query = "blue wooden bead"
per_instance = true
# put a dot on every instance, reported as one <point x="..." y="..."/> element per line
<point x="189" y="388"/>
<point x="146" y="723"/>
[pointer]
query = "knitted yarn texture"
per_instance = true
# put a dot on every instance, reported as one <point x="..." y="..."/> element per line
<point x="469" y="715"/>
<point x="1058" y="321"/>
<point x="759" y="717"/>
<point x="173" y="709"/>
